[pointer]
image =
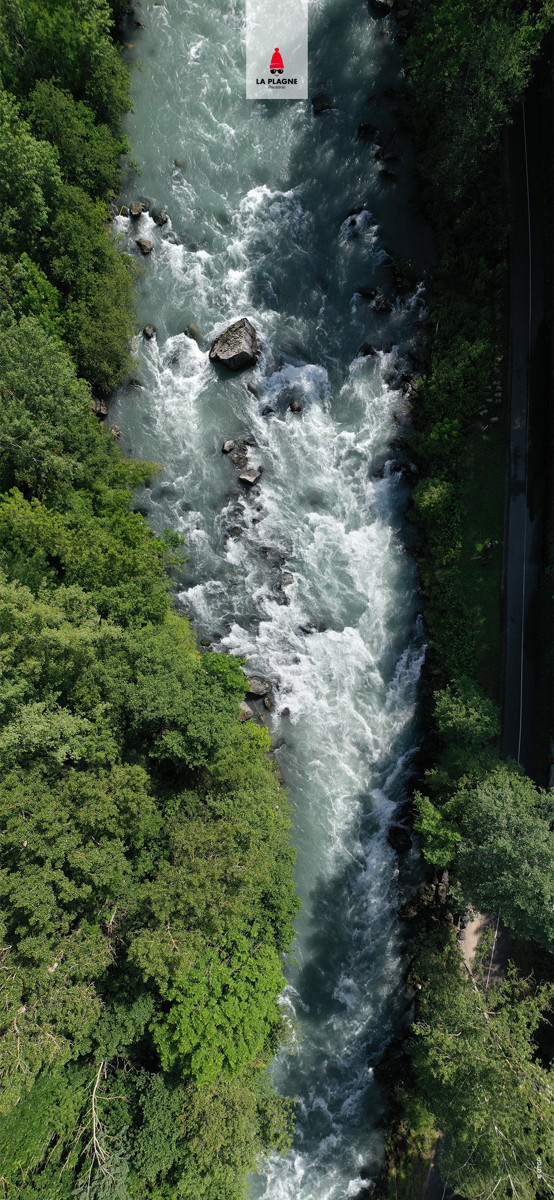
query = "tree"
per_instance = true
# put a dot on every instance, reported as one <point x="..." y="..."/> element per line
<point x="476" y="1066"/>
<point x="506" y="856"/>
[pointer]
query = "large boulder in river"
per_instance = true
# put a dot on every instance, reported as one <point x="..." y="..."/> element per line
<point x="257" y="686"/>
<point x="237" y="347"/>
<point x="145" y="245"/>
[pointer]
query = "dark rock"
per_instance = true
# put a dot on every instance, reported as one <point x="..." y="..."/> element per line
<point x="179" y="162"/>
<point x="366" y="131"/>
<point x="228" y="446"/>
<point x="149" y="332"/>
<point x="246" y="712"/>
<point x="251" y="387"/>
<point x="295" y="406"/>
<point x="367" y="350"/>
<point x="205" y="642"/>
<point x="321" y="102"/>
<point x="160" y="216"/>
<point x="135" y="383"/>
<point x="237" y="347"/>
<point x="251" y="476"/>
<point x="285" y="712"/>
<point x="287" y="579"/>
<point x="99" y="408"/>
<point x="399" y="839"/>
<point x="307" y="627"/>
<point x="268" y="703"/>
<point x="139" y="24"/>
<point x="115" y="432"/>
<point x="235" y="531"/>
<point x="387" y="175"/>
<point x="123" y="211"/>
<point x="442" y="892"/>
<point x="381" y="8"/>
<point x="258" y="686"/>
<point x="144" y="245"/>
<point x="136" y="208"/>
<point x="368" y="293"/>
<point x="268" y="411"/>
<point x="240" y="460"/>
<point x="381" y="305"/>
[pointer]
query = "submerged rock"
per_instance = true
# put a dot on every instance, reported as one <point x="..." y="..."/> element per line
<point x="321" y="102"/>
<point x="295" y="406"/>
<point x="366" y="131"/>
<point x="237" y="347"/>
<point x="381" y="8"/>
<point x="399" y="838"/>
<point x="144" y="245"/>
<point x="192" y="331"/>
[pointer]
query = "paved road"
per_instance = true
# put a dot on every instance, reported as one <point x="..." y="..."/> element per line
<point x="523" y="534"/>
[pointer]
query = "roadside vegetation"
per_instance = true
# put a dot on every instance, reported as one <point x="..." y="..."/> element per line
<point x="146" y="872"/>
<point x="479" y="1067"/>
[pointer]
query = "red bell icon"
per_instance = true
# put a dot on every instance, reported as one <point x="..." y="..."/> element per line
<point x="276" y="65"/>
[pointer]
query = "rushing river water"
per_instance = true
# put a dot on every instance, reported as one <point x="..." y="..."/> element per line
<point x="260" y="197"/>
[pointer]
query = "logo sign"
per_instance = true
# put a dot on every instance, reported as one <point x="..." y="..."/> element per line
<point x="276" y="50"/>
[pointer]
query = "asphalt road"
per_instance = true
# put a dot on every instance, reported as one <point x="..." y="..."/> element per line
<point x="524" y="513"/>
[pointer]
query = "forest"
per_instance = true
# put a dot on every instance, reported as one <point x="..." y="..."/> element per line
<point x="479" y="1070"/>
<point x="147" y="871"/>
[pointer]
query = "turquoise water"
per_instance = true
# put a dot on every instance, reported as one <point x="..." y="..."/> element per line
<point x="260" y="199"/>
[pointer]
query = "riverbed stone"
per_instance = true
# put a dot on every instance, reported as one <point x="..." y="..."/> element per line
<point x="366" y="131"/>
<point x="145" y="246"/>
<point x="136" y="208"/>
<point x="250" y="476"/>
<point x="295" y="406"/>
<point x="258" y="686"/>
<point x="381" y="8"/>
<point x="245" y="713"/>
<point x="228" y="445"/>
<point x="149" y="332"/>
<point x="321" y="102"/>
<point x="399" y="838"/>
<point x="160" y="216"/>
<point x="100" y="408"/>
<point x="192" y="331"/>
<point x="237" y="347"/>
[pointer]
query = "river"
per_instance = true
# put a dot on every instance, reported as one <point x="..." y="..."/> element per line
<point x="281" y="216"/>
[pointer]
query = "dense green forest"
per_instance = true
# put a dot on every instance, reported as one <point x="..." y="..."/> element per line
<point x="480" y="1064"/>
<point x="146" y="865"/>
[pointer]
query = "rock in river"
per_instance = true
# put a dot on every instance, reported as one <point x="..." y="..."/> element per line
<point x="237" y="347"/>
<point x="257" y="686"/>
<point x="144" y="245"/>
<point x="321" y="102"/>
<point x="399" y="838"/>
<point x="250" y="476"/>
